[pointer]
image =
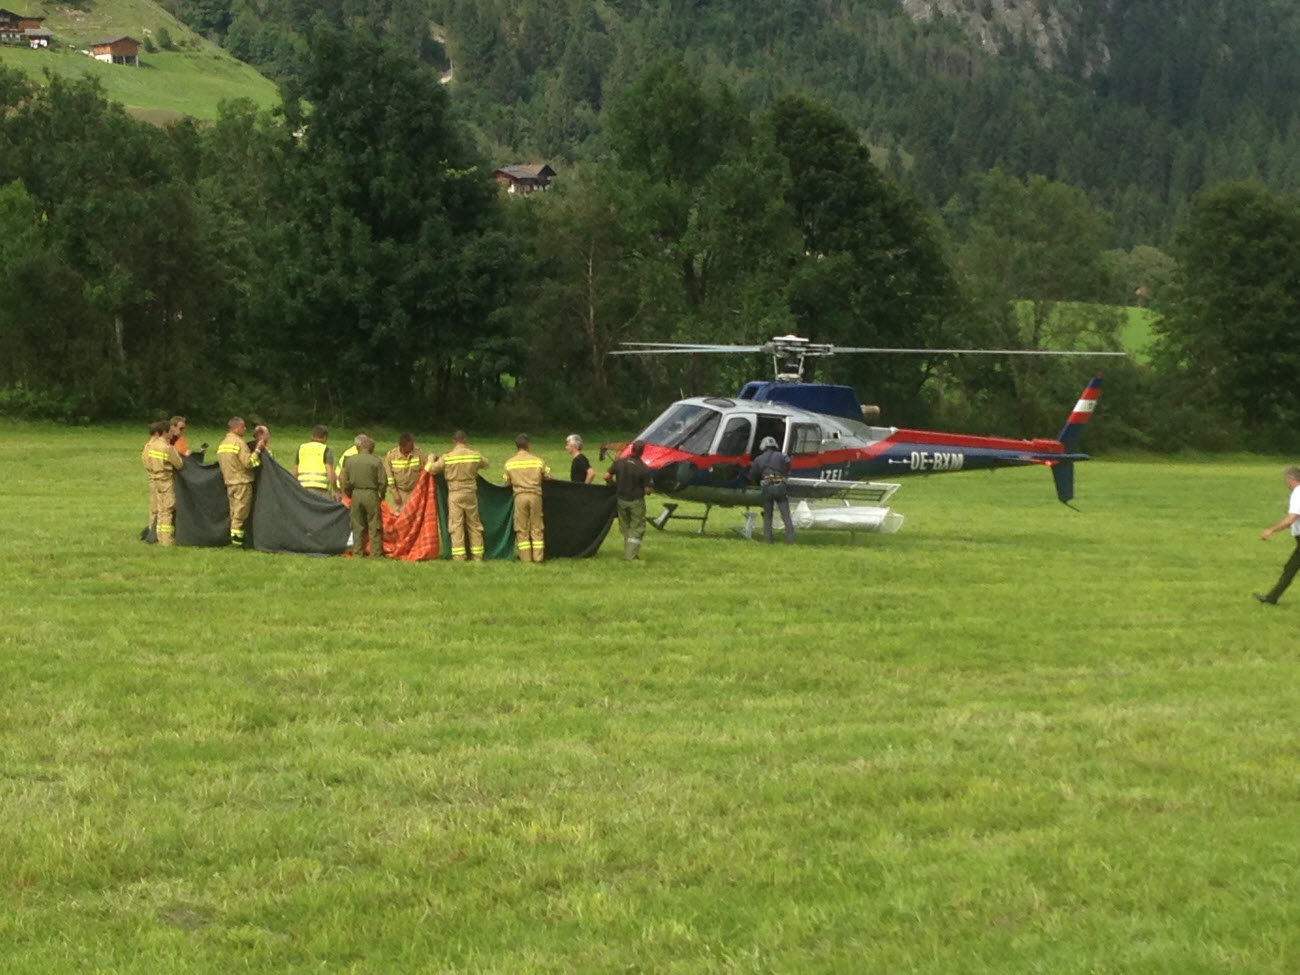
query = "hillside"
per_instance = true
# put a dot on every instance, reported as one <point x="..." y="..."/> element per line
<point x="183" y="75"/>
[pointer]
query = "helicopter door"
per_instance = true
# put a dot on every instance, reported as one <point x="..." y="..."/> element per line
<point x="770" y="425"/>
<point x="736" y="437"/>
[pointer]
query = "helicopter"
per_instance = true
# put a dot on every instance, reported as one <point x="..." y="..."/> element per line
<point x="700" y="448"/>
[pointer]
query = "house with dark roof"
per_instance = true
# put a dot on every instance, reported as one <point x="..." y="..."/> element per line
<point x="14" y="26"/>
<point x="116" y="50"/>
<point x="524" y="178"/>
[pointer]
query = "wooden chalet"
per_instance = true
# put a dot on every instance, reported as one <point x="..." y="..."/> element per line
<point x="116" y="50"/>
<point x="38" y="38"/>
<point x="524" y="178"/>
<point x="14" y="26"/>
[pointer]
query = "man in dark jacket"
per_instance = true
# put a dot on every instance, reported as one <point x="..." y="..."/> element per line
<point x="771" y="469"/>
<point x="632" y="481"/>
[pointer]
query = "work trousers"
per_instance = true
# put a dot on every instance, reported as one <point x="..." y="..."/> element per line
<point x="240" y="498"/>
<point x="774" y="495"/>
<point x="462" y="520"/>
<point x="162" y="510"/>
<point x="1288" y="573"/>
<point x="530" y="532"/>
<point x="631" y="522"/>
<point x="365" y="518"/>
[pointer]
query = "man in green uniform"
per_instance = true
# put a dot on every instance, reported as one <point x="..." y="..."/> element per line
<point x="356" y="445"/>
<point x="632" y="481"/>
<point x="364" y="483"/>
<point x="314" y="467"/>
<point x="460" y="467"/>
<point x="238" y="462"/>
<point x="162" y="461"/>
<point x="403" y="464"/>
<point x="525" y="473"/>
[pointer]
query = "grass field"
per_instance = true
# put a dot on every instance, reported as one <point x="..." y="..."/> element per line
<point x="166" y="86"/>
<point x="1137" y="336"/>
<point x="1012" y="738"/>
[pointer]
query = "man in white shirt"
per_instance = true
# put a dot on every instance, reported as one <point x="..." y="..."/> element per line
<point x="1292" y="521"/>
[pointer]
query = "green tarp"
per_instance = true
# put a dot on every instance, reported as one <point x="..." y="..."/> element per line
<point x="577" y="518"/>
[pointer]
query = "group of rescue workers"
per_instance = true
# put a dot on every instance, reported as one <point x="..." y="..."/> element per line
<point x="365" y="481"/>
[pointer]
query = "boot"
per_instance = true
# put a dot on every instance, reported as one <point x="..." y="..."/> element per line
<point x="631" y="549"/>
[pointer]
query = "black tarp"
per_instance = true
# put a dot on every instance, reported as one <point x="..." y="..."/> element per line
<point x="577" y="518"/>
<point x="288" y="518"/>
<point x="202" y="514"/>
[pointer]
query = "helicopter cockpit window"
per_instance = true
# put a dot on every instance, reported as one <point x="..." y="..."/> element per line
<point x="687" y="427"/>
<point x="805" y="438"/>
<point x="735" y="438"/>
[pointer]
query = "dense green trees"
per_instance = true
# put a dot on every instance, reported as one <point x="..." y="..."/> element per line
<point x="343" y="258"/>
<point x="350" y="255"/>
<point x="393" y="260"/>
<point x="1229" y="333"/>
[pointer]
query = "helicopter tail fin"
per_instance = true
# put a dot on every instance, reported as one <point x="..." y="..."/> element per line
<point x="1063" y="470"/>
<point x="1080" y="415"/>
<point x="1063" y="475"/>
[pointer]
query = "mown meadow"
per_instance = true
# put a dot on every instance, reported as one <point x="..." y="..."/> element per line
<point x="1012" y="738"/>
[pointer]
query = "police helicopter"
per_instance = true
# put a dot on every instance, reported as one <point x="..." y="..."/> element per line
<point x="700" y="447"/>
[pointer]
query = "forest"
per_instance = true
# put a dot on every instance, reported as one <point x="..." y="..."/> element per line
<point x="350" y="256"/>
<point x="1138" y="103"/>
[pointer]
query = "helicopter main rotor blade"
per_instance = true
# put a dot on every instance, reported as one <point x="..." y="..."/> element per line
<point x="974" y="351"/>
<point x="670" y="347"/>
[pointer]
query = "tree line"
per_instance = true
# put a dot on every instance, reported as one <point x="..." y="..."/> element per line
<point x="350" y="256"/>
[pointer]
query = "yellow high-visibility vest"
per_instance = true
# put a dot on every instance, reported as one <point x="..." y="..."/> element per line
<point x="338" y="468"/>
<point x="313" y="472"/>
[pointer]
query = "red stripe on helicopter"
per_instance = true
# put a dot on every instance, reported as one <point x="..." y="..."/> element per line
<point x="1038" y="445"/>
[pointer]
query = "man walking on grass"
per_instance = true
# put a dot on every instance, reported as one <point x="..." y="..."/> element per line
<point x="1292" y="521"/>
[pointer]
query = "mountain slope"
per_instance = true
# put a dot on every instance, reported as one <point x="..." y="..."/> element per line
<point x="191" y="77"/>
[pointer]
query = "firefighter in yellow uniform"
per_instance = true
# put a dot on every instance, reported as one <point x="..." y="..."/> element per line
<point x="460" y="467"/>
<point x="525" y="473"/>
<point x="402" y="464"/>
<point x="162" y="461"/>
<point x="315" y="467"/>
<point x="237" y="463"/>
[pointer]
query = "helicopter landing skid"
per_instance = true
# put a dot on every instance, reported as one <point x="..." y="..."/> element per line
<point x="670" y="512"/>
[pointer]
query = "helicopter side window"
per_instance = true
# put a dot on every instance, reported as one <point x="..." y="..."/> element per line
<point x="805" y="438"/>
<point x="735" y="438"/>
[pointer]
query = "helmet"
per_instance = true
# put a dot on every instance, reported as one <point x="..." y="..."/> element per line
<point x="769" y="443"/>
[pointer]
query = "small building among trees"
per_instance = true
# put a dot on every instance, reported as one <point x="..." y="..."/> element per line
<point x="116" y="50"/>
<point x="522" y="178"/>
<point x="14" y="27"/>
